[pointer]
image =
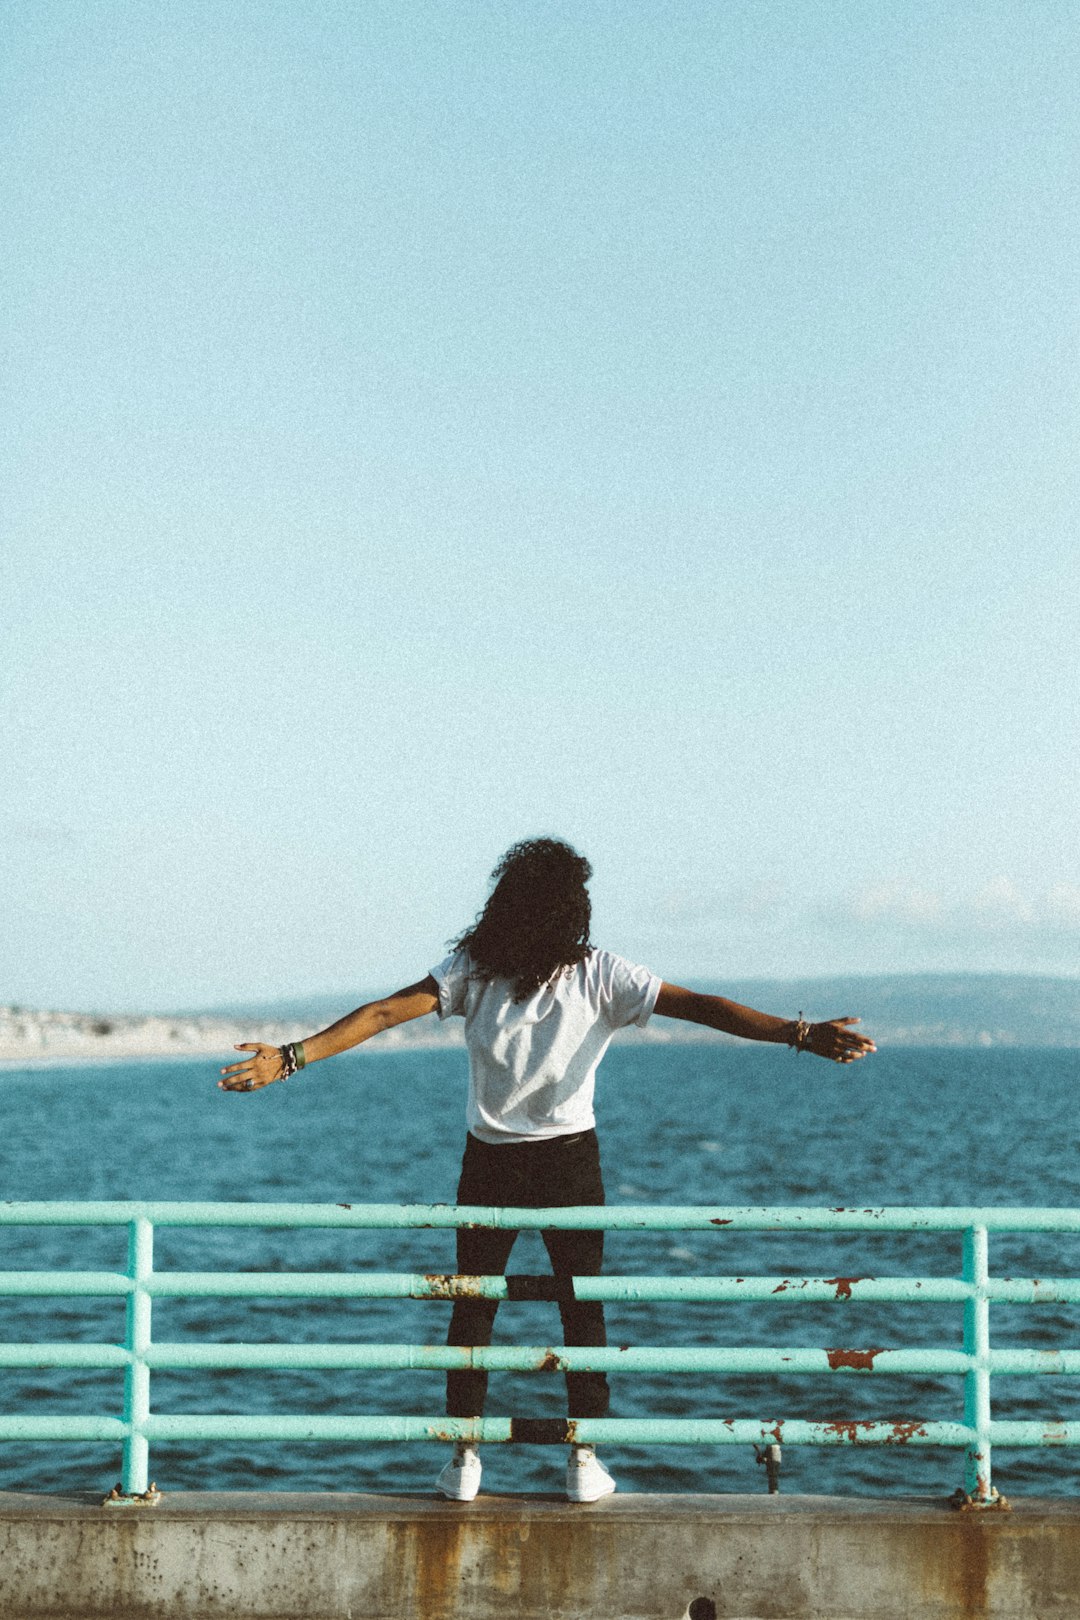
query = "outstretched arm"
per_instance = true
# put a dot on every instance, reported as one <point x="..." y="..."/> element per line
<point x="834" y="1039"/>
<point x="266" y="1066"/>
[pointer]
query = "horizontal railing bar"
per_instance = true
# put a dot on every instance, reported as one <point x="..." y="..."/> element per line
<point x="64" y="1355"/>
<point x="907" y="1360"/>
<point x="1034" y="1361"/>
<point x="439" y="1285"/>
<point x="787" y="1359"/>
<point x="446" y="1285"/>
<point x="629" y="1431"/>
<point x="611" y="1217"/>
<point x="62" y="1428"/>
<point x="625" y="1431"/>
<point x="557" y="1358"/>
<point x="1038" y="1432"/>
<point x="63" y="1284"/>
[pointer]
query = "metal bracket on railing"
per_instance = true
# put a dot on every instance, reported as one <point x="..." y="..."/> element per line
<point x="769" y="1456"/>
<point x="122" y="1498"/>
<point x="966" y="1503"/>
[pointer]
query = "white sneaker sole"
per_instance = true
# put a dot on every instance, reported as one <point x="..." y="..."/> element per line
<point x="455" y="1489"/>
<point x="598" y="1492"/>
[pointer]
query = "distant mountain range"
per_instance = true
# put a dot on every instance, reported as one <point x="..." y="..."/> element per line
<point x="926" y="1009"/>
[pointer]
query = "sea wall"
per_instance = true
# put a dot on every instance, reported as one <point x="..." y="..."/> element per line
<point x="271" y="1556"/>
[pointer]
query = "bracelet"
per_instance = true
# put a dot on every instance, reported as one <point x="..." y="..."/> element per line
<point x="301" y="1060"/>
<point x="289" y="1065"/>
<point x="801" y="1039"/>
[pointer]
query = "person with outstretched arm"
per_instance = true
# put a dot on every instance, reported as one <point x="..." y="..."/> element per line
<point x="540" y="1005"/>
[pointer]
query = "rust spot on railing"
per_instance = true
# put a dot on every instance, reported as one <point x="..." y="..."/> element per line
<point x="118" y="1497"/>
<point x="904" y="1431"/>
<point x="848" y="1430"/>
<point x="979" y="1503"/>
<point x="552" y="1362"/>
<point x="716" y="1221"/>
<point x="446" y="1285"/>
<point x="857" y="1360"/>
<point x="854" y="1430"/>
<point x="436" y="1433"/>
<point x="844" y="1285"/>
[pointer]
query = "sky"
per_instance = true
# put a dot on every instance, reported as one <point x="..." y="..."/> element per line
<point x="428" y="426"/>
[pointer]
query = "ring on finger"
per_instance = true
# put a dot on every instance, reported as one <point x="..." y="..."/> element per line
<point x="249" y="1085"/>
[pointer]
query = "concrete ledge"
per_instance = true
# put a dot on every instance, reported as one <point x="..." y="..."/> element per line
<point x="271" y="1556"/>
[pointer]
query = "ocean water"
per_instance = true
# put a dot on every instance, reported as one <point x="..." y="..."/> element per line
<point x="678" y="1124"/>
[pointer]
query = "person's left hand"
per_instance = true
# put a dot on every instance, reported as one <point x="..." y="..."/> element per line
<point x="254" y="1073"/>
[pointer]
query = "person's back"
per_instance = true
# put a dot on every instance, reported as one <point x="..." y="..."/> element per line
<point x="533" y="1062"/>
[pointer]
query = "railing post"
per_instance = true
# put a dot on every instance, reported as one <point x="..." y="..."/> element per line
<point x="977" y="1378"/>
<point x="137" y="1342"/>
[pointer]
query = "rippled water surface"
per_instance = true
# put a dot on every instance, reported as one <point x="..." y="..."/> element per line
<point x="682" y="1124"/>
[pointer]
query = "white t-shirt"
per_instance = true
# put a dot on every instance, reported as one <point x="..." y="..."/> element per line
<point x="532" y="1064"/>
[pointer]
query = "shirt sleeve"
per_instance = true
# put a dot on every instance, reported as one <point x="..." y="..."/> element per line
<point x="628" y="991"/>
<point x="452" y="979"/>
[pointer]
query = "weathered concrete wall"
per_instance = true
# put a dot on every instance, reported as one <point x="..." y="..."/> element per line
<point x="271" y="1556"/>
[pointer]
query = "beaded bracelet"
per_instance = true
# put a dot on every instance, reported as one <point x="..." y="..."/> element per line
<point x="292" y="1058"/>
<point x="801" y="1038"/>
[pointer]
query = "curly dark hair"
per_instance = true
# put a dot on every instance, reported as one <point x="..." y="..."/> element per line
<point x="536" y="920"/>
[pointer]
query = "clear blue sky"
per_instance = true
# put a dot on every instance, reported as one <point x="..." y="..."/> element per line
<point x="428" y="425"/>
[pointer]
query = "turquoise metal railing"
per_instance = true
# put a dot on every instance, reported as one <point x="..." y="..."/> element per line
<point x="140" y="1284"/>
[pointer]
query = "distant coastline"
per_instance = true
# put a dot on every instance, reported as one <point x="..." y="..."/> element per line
<point x="974" y="1010"/>
<point x="43" y="1038"/>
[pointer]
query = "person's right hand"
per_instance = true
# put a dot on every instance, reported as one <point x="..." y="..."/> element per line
<point x="253" y="1073"/>
<point x="836" y="1040"/>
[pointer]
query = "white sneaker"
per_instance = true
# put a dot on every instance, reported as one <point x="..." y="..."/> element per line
<point x="587" y="1480"/>
<point x="460" y="1479"/>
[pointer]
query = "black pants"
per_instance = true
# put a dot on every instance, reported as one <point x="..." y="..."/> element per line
<point x="550" y="1173"/>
